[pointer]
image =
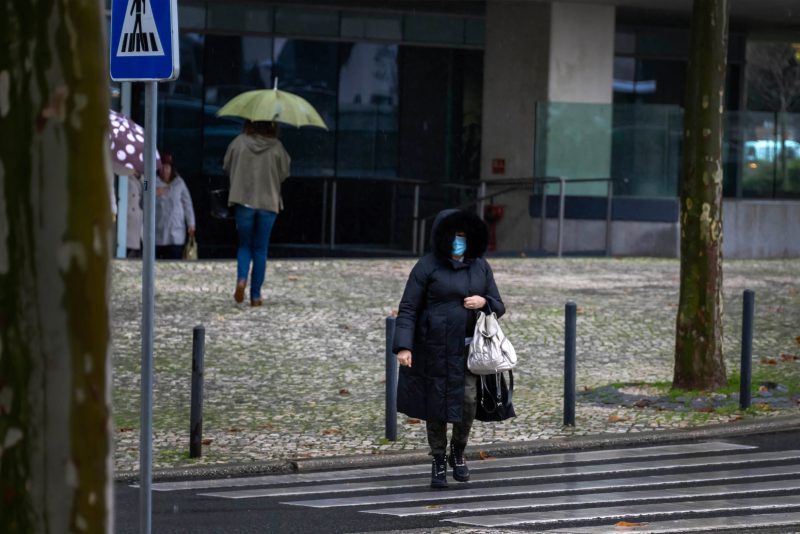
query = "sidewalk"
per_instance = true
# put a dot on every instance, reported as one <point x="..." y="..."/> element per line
<point x="302" y="377"/>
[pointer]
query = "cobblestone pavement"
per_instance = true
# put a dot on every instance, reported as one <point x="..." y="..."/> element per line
<point x="303" y="376"/>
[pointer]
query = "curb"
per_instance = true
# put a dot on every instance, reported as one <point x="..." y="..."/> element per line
<point x="506" y="449"/>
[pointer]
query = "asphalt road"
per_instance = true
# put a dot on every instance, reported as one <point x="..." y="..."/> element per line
<point x="745" y="484"/>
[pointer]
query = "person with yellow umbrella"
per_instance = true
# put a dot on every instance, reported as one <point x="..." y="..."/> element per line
<point x="258" y="164"/>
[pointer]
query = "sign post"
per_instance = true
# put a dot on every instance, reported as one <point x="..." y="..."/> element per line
<point x="144" y="48"/>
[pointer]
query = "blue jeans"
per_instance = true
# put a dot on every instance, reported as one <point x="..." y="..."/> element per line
<point x="254" y="228"/>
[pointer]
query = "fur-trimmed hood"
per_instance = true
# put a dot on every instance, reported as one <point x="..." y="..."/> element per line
<point x="450" y="221"/>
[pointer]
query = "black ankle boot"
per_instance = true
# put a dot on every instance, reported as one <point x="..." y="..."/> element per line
<point x="459" y="464"/>
<point x="439" y="472"/>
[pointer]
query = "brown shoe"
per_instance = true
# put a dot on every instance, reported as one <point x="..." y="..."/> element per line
<point x="238" y="295"/>
<point x="256" y="302"/>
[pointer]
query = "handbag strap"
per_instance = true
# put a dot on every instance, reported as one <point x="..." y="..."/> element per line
<point x="498" y="398"/>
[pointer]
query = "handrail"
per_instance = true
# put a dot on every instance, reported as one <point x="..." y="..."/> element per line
<point x="419" y="223"/>
<point x="518" y="183"/>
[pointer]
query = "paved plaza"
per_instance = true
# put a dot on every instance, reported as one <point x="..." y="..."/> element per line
<point x="303" y="376"/>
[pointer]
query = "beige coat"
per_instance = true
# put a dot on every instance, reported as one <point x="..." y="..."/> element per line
<point x="257" y="166"/>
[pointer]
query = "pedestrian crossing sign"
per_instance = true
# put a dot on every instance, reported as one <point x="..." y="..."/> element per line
<point x="144" y="40"/>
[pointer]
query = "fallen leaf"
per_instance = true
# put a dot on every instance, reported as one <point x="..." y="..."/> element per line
<point x="126" y="429"/>
<point x="344" y="391"/>
<point x="330" y="431"/>
<point x="483" y="455"/>
<point x="763" y="407"/>
<point x="626" y="524"/>
<point x="769" y="361"/>
<point x="797" y="340"/>
<point x="292" y="278"/>
<point x="705" y="409"/>
<point x="643" y="403"/>
<point x="207" y="441"/>
<point x="233" y="429"/>
<point x="763" y="389"/>
<point x="737" y="418"/>
<point x="616" y="418"/>
<point x="433" y="506"/>
<point x="413" y="421"/>
<point x="789" y="357"/>
<point x="268" y="426"/>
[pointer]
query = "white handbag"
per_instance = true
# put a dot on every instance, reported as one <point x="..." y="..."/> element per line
<point x="490" y="351"/>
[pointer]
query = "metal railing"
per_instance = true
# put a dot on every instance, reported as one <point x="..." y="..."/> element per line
<point x="514" y="184"/>
<point x="419" y="223"/>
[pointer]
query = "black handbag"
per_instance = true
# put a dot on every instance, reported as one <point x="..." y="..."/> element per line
<point x="494" y="398"/>
<point x="219" y="204"/>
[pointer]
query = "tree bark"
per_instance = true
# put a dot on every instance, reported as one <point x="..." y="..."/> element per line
<point x="55" y="221"/>
<point x="699" y="362"/>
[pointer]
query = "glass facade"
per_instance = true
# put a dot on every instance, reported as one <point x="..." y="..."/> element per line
<point x="349" y="65"/>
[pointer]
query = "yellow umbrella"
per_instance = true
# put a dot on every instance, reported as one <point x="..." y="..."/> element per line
<point x="273" y="105"/>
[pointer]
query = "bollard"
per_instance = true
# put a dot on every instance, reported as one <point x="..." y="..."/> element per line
<point x="391" y="382"/>
<point x="570" y="313"/>
<point x="748" y="308"/>
<point x="196" y="415"/>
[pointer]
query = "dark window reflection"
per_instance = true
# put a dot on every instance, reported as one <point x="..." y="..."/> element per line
<point x="368" y="104"/>
<point x="309" y="69"/>
<point x="234" y="64"/>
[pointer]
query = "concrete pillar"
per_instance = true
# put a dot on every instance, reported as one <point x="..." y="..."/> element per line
<point x="541" y="52"/>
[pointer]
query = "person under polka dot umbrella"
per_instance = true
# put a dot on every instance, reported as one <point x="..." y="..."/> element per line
<point x="126" y="143"/>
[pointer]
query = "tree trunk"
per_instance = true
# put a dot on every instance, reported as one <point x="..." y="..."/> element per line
<point x="55" y="453"/>
<point x="698" y="348"/>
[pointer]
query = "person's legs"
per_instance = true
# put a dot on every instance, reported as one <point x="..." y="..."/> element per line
<point x="437" y="436"/>
<point x="245" y="218"/>
<point x="173" y="252"/>
<point x="437" y="439"/>
<point x="262" y="229"/>
<point x="461" y="430"/>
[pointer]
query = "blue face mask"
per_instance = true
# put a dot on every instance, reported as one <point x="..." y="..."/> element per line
<point x="459" y="245"/>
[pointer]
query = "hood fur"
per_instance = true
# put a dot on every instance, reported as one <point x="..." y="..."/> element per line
<point x="450" y="221"/>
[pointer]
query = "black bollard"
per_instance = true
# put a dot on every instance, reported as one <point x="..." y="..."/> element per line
<point x="391" y="383"/>
<point x="748" y="308"/>
<point x="570" y="314"/>
<point x="196" y="416"/>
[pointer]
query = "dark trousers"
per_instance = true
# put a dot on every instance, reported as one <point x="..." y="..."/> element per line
<point x="169" y="252"/>
<point x="437" y="430"/>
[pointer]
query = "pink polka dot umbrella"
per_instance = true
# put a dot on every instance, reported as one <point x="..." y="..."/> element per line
<point x="126" y="143"/>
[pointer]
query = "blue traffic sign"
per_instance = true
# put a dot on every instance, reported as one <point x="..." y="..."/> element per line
<point x="144" y="40"/>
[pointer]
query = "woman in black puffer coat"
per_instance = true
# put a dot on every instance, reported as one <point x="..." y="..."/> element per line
<point x="444" y="292"/>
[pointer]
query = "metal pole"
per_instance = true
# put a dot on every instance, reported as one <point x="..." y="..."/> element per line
<point x="609" y="205"/>
<point x="543" y="216"/>
<point x="569" y="363"/>
<point x="148" y="308"/>
<point x="482" y="201"/>
<point x="391" y="382"/>
<point x="333" y="215"/>
<point x="748" y="308"/>
<point x="415" y="224"/>
<point x="122" y="217"/>
<point x="196" y="413"/>
<point x="422" y="237"/>
<point x="561" y="195"/>
<point x="324" y="212"/>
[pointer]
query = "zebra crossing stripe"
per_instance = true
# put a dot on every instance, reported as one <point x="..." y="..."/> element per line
<point x="468" y="492"/>
<point x="631" y="513"/>
<point x="558" y="472"/>
<point x="629" y="497"/>
<point x="523" y="461"/>
<point x="705" y="524"/>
